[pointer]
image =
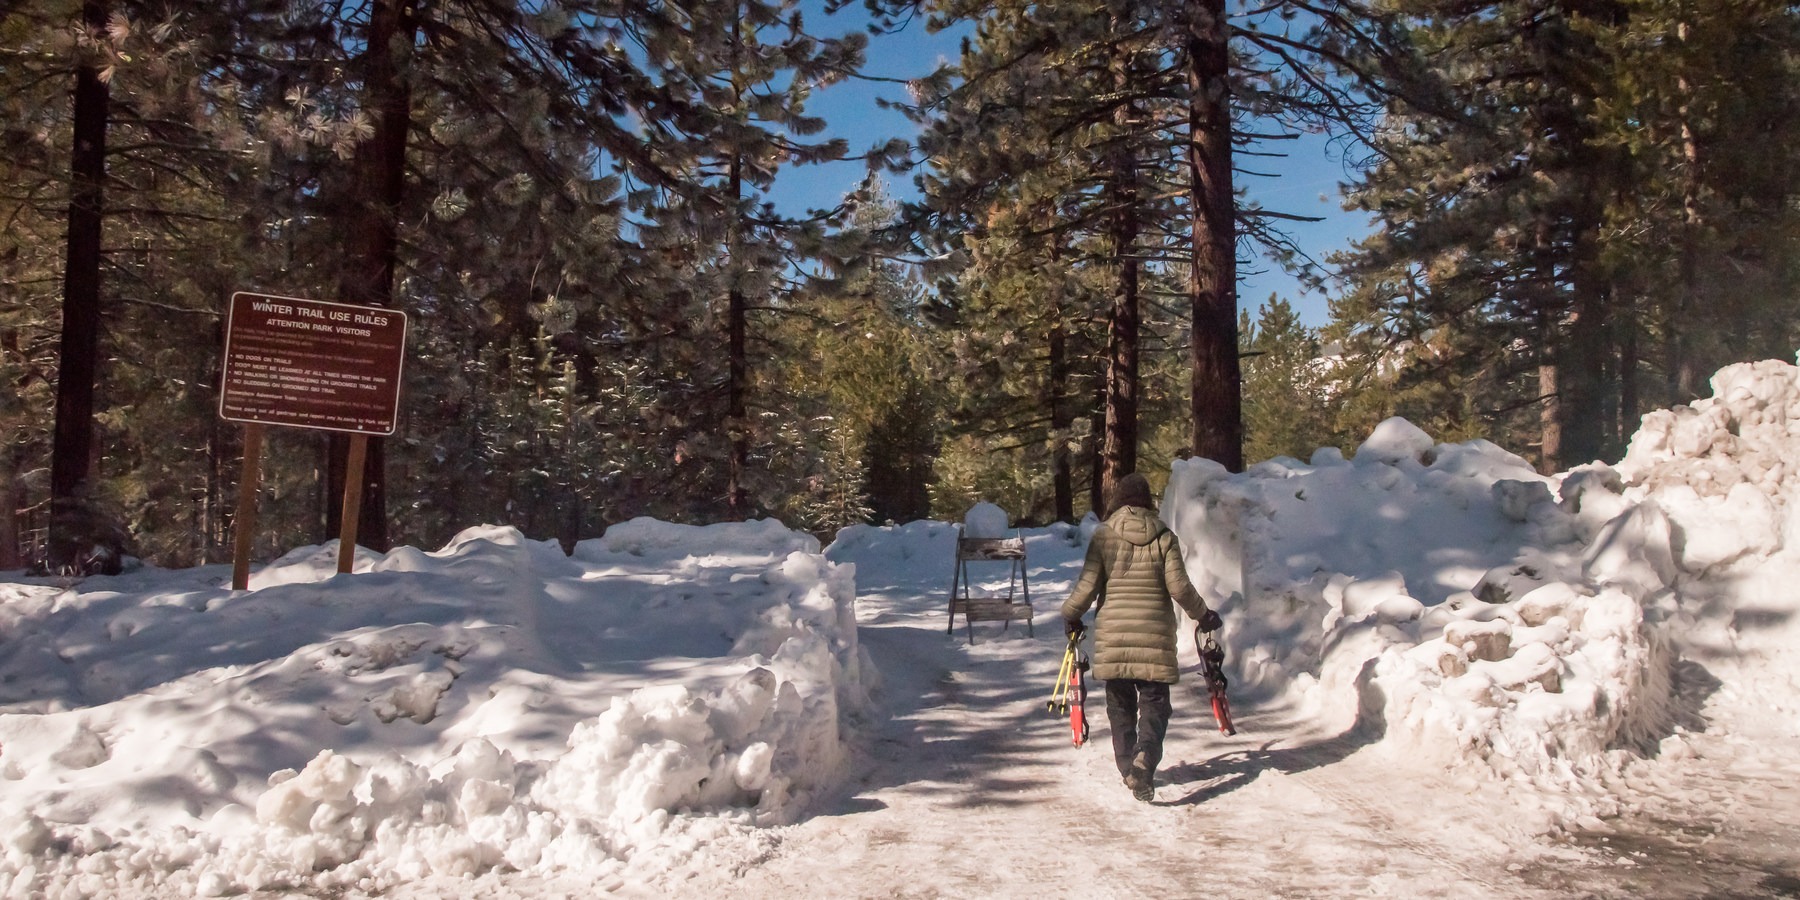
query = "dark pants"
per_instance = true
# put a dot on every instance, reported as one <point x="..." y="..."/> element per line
<point x="1139" y="713"/>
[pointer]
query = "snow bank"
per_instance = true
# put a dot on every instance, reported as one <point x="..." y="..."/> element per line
<point x="1453" y="604"/>
<point x="1723" y="471"/>
<point x="492" y="705"/>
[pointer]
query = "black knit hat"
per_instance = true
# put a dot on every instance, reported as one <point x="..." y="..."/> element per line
<point x="1132" y="490"/>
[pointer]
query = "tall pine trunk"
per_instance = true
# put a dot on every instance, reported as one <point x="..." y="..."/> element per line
<point x="1550" y="418"/>
<point x="1680" y="366"/>
<point x="1547" y="323"/>
<point x="1630" y="409"/>
<point x="1062" y="413"/>
<point x="1097" y="462"/>
<point x="1583" y="355"/>
<point x="12" y="496"/>
<point x="72" y="525"/>
<point x="737" y="411"/>
<point x="1550" y="446"/>
<point x="1062" y="477"/>
<point x="1582" y="375"/>
<point x="1217" y="391"/>
<point x="373" y="251"/>
<point x="1119" y="448"/>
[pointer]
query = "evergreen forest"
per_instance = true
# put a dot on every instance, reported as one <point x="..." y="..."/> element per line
<point x="1580" y="208"/>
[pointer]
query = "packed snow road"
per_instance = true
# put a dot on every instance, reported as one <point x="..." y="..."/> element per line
<point x="970" y="789"/>
<point x="973" y="790"/>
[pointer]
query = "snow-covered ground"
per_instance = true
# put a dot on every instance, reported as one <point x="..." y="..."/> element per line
<point x="1452" y="676"/>
<point x="491" y="706"/>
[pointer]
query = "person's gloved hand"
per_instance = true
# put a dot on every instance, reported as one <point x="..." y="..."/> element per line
<point x="1210" y="621"/>
<point x="1074" y="628"/>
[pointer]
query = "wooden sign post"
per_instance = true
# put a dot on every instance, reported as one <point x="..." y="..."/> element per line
<point x="352" y="513"/>
<point x="309" y="364"/>
<point x="244" y="524"/>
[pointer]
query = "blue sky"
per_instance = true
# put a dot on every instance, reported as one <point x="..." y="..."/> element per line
<point x="1307" y="184"/>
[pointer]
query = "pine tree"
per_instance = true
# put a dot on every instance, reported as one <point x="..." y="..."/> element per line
<point x="865" y="359"/>
<point x="72" y="529"/>
<point x="744" y="71"/>
<point x="1703" y="106"/>
<point x="1289" y="394"/>
<point x="1150" y="102"/>
<point x="1546" y="224"/>
<point x="533" y="139"/>
<point x="1042" y="144"/>
<point x="163" y="149"/>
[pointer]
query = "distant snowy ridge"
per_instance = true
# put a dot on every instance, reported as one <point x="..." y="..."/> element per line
<point x="422" y="707"/>
<point x="1466" y="610"/>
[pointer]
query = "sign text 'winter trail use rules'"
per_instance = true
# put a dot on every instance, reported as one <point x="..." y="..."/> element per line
<point x="312" y="364"/>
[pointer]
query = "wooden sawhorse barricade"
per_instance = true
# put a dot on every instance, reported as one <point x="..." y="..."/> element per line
<point x="990" y="607"/>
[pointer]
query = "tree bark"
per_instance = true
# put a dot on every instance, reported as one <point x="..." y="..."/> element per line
<point x="1119" y="449"/>
<point x="1217" y="390"/>
<point x="1550" y="448"/>
<point x="1550" y="388"/>
<point x="1682" y="370"/>
<point x="373" y="252"/>
<point x="1582" y="374"/>
<point x="12" y="496"/>
<point x="737" y="497"/>
<point x="1062" y="478"/>
<point x="1629" y="404"/>
<point x="1097" y="462"/>
<point x="1547" y="313"/>
<point x="72" y="529"/>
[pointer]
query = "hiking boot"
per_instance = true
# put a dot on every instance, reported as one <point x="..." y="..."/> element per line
<point x="1141" y="779"/>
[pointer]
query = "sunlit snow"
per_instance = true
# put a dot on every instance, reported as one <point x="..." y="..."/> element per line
<point x="496" y="706"/>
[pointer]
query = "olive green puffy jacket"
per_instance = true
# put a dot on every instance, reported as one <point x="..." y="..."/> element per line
<point x="1134" y="563"/>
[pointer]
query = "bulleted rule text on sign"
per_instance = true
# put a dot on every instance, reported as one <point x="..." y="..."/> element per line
<point x="312" y="364"/>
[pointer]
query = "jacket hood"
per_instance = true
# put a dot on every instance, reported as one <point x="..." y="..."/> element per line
<point x="1131" y="490"/>
<point x="1138" y="526"/>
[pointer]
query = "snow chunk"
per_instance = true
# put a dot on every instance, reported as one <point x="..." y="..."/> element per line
<point x="1516" y="498"/>
<point x="1483" y="641"/>
<point x="1395" y="439"/>
<point x="1715" y="530"/>
<point x="985" y="520"/>
<point x="1635" y="550"/>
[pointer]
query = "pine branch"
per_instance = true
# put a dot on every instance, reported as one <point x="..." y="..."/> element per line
<point x="139" y="301"/>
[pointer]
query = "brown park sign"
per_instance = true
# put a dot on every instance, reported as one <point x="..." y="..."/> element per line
<point x="312" y="364"/>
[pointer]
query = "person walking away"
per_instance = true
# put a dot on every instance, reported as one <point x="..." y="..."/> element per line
<point x="1134" y="576"/>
